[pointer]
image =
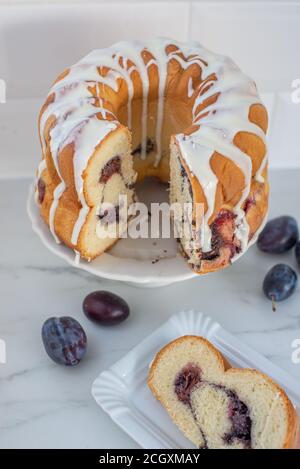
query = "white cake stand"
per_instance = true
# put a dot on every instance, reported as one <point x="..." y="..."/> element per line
<point x="146" y="263"/>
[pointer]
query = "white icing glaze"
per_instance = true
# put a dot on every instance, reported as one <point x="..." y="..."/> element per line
<point x="218" y="124"/>
<point x="59" y="190"/>
<point x="92" y="133"/>
<point x="259" y="177"/>
<point x="75" y="108"/>
<point x="77" y="258"/>
<point x="159" y="52"/>
<point x="190" y="90"/>
<point x="41" y="168"/>
<point x="207" y="178"/>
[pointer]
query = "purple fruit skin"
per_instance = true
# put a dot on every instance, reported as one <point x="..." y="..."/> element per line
<point x="280" y="282"/>
<point x="105" y="308"/>
<point x="279" y="235"/>
<point x="64" y="340"/>
<point x="297" y="253"/>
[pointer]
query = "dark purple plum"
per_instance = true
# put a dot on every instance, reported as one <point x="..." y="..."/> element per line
<point x="64" y="340"/>
<point x="280" y="283"/>
<point x="105" y="308"/>
<point x="297" y="253"/>
<point x="279" y="235"/>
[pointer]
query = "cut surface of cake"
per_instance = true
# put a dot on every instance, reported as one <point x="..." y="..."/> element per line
<point x="163" y="109"/>
<point x="217" y="406"/>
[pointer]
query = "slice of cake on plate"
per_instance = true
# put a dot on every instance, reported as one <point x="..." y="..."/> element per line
<point x="217" y="406"/>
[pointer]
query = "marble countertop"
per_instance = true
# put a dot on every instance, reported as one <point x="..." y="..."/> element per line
<point x="45" y="405"/>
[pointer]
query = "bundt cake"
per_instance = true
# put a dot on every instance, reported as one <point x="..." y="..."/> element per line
<point x="219" y="407"/>
<point x="170" y="110"/>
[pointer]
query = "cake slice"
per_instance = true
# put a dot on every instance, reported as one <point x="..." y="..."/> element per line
<point x="217" y="406"/>
<point x="92" y="223"/>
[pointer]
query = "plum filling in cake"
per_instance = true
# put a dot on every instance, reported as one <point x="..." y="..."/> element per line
<point x="114" y="193"/>
<point x="239" y="415"/>
<point x="223" y="244"/>
<point x="186" y="380"/>
<point x="41" y="186"/>
<point x="113" y="166"/>
<point x="189" y="380"/>
<point x="250" y="202"/>
<point x="185" y="181"/>
<point x="222" y="231"/>
<point x="216" y="244"/>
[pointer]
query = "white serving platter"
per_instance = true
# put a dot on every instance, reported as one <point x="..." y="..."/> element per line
<point x="146" y="263"/>
<point x="122" y="390"/>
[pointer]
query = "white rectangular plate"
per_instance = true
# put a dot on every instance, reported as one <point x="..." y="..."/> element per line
<point x="122" y="390"/>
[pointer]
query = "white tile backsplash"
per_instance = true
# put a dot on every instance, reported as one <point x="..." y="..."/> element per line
<point x="37" y="43"/>
<point x="19" y="143"/>
<point x="263" y="37"/>
<point x="284" y="145"/>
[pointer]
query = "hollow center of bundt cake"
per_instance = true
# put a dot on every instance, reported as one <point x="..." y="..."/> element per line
<point x="151" y="132"/>
<point x="204" y="399"/>
<point x="154" y="157"/>
<point x="150" y="146"/>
